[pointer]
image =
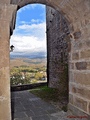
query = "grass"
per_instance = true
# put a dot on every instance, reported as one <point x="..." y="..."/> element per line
<point x="46" y="93"/>
<point x="51" y="95"/>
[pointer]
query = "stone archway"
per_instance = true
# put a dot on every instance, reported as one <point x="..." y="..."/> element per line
<point x="77" y="12"/>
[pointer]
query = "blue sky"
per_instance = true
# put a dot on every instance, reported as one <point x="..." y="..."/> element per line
<point x="29" y="36"/>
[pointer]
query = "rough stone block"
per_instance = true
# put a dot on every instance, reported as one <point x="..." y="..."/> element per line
<point x="81" y="65"/>
<point x="85" y="54"/>
<point x="6" y="12"/>
<point x="86" y="31"/>
<point x="4" y="105"/>
<point x="75" y="56"/>
<point x="80" y="91"/>
<point x="4" y="1"/>
<point x="4" y="82"/>
<point x="88" y="43"/>
<point x="71" y="76"/>
<point x="89" y="107"/>
<point x="77" y="112"/>
<point x="77" y="35"/>
<point x="4" y="44"/>
<point x="71" y="65"/>
<point x="82" y="78"/>
<point x="80" y="103"/>
<point x="88" y="65"/>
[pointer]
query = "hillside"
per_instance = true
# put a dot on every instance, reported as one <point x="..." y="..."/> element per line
<point x="27" y="62"/>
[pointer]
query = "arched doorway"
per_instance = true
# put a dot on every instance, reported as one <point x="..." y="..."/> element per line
<point x="57" y="52"/>
<point x="77" y="14"/>
<point x="78" y="25"/>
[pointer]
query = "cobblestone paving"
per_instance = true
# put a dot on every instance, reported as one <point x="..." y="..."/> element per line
<point x="26" y="106"/>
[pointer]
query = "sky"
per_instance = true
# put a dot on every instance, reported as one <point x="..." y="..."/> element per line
<point x="29" y="36"/>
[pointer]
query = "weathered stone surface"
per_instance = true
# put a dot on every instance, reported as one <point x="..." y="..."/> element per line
<point x="57" y="48"/>
<point x="79" y="45"/>
<point x="77" y="111"/>
<point x="4" y="109"/>
<point x="77" y="35"/>
<point x="75" y="56"/>
<point x="6" y="12"/>
<point x="89" y="108"/>
<point x="4" y="1"/>
<point x="86" y="31"/>
<point x="71" y="98"/>
<point x="82" y="78"/>
<point x="80" y="103"/>
<point x="81" y="65"/>
<point x="88" y="65"/>
<point x="5" y="18"/>
<point x="71" y="76"/>
<point x="71" y="65"/>
<point x="85" y="54"/>
<point x="88" y="43"/>
<point x="80" y="91"/>
<point x="77" y="13"/>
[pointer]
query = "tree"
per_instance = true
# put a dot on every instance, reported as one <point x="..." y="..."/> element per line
<point x="38" y="76"/>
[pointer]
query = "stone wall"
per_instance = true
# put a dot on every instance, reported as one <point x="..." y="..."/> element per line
<point x="6" y="12"/>
<point x="77" y="12"/>
<point x="57" y="50"/>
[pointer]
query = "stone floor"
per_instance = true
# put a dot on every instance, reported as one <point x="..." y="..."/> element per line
<point x="26" y="106"/>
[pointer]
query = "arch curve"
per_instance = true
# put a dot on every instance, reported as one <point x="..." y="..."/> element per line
<point x="22" y="3"/>
<point x="52" y="3"/>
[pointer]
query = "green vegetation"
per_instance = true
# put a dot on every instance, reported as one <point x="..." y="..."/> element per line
<point x="23" y="74"/>
<point x="51" y="95"/>
<point x="46" y="93"/>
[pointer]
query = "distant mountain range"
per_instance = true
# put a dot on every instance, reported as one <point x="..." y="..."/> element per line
<point x="30" y="56"/>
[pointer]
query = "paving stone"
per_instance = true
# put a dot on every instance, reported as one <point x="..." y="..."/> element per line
<point x="26" y="106"/>
<point x="51" y="111"/>
<point x="19" y="115"/>
<point x="44" y="117"/>
<point x="19" y="109"/>
<point x="34" y="99"/>
<point x="29" y="107"/>
<point x="29" y="113"/>
<point x="37" y="113"/>
<point x="23" y="118"/>
<point x="53" y="118"/>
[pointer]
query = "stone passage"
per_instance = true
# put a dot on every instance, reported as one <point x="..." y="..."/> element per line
<point x="77" y="13"/>
<point x="26" y="106"/>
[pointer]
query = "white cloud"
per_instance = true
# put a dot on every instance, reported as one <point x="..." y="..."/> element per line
<point x="32" y="26"/>
<point x="33" y="21"/>
<point x="29" y="37"/>
<point x="32" y="40"/>
<point x="36" y="29"/>
<point x="36" y="21"/>
<point x="28" y="44"/>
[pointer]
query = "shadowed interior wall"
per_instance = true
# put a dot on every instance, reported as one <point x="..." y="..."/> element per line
<point x="57" y="47"/>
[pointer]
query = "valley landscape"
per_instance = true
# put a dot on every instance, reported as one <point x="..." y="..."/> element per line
<point x="27" y="70"/>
